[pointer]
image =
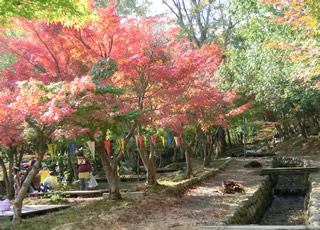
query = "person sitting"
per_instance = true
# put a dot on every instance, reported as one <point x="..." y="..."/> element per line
<point x="50" y="182"/>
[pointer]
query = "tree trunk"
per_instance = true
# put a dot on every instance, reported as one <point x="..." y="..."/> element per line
<point x="175" y="154"/>
<point x="220" y="143"/>
<point x="110" y="167"/>
<point x="302" y="127"/>
<point x="229" y="137"/>
<point x="71" y="172"/>
<point x="10" y="190"/>
<point x="208" y="153"/>
<point x="279" y="130"/>
<point x="17" y="206"/>
<point x="187" y="147"/>
<point x="60" y="163"/>
<point x="5" y="176"/>
<point x="187" y="153"/>
<point x="148" y="162"/>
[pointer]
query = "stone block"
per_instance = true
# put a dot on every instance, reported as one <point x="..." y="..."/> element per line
<point x="133" y="194"/>
<point x="105" y="196"/>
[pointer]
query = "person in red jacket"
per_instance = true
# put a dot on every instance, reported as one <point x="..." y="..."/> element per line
<point x="84" y="170"/>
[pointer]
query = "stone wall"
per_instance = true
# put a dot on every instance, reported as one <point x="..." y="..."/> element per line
<point x="288" y="161"/>
<point x="314" y="200"/>
<point x="252" y="209"/>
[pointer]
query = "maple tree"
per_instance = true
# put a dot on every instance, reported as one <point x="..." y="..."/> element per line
<point x="167" y="81"/>
<point x="40" y="107"/>
<point x="53" y="53"/>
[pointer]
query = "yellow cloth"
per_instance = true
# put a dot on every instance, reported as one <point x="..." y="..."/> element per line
<point x="84" y="175"/>
<point x="44" y="174"/>
<point x="51" y="181"/>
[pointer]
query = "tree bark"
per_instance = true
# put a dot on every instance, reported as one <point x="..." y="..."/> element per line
<point x="220" y="143"/>
<point x="110" y="167"/>
<point x="148" y="162"/>
<point x="303" y="129"/>
<point x="5" y="176"/>
<point x="229" y="137"/>
<point x="187" y="152"/>
<point x="17" y="206"/>
<point x="207" y="153"/>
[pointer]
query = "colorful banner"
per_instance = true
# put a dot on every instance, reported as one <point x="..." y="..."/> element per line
<point x="73" y="147"/>
<point x="177" y="140"/>
<point x="107" y="145"/>
<point x="121" y="143"/>
<point x="91" y="145"/>
<point x="140" y="141"/>
<point x="209" y="138"/>
<point x="169" y="140"/>
<point x="154" y="138"/>
<point x="200" y="138"/>
<point x="149" y="140"/>
<point x="52" y="149"/>
<point x="145" y="140"/>
<point x="162" y="139"/>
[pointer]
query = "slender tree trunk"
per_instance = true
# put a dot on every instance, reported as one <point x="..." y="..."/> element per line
<point x="187" y="153"/>
<point x="175" y="154"/>
<point x="302" y="128"/>
<point x="10" y="190"/>
<point x="20" y="158"/>
<point x="60" y="163"/>
<point x="279" y="130"/>
<point x="17" y="206"/>
<point x="149" y="164"/>
<point x="148" y="159"/>
<point x="110" y="167"/>
<point x="5" y="176"/>
<point x="72" y="173"/>
<point x="187" y="147"/>
<point x="208" y="153"/>
<point x="220" y="145"/>
<point x="229" y="137"/>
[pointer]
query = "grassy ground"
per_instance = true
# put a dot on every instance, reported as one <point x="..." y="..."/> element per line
<point x="74" y="214"/>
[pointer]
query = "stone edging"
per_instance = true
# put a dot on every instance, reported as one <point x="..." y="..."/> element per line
<point x="254" y="206"/>
<point x="314" y="200"/>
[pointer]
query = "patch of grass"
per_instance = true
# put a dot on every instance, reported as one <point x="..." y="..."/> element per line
<point x="57" y="199"/>
<point x="167" y="182"/>
<point x="75" y="214"/>
<point x="180" y="176"/>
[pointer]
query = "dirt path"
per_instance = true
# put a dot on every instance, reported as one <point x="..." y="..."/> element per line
<point x="199" y="206"/>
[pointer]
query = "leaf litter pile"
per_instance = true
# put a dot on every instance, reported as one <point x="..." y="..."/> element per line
<point x="231" y="187"/>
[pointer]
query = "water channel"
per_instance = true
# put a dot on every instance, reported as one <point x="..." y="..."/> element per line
<point x="289" y="201"/>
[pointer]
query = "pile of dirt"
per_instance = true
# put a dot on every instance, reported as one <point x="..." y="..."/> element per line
<point x="253" y="164"/>
<point x="231" y="187"/>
